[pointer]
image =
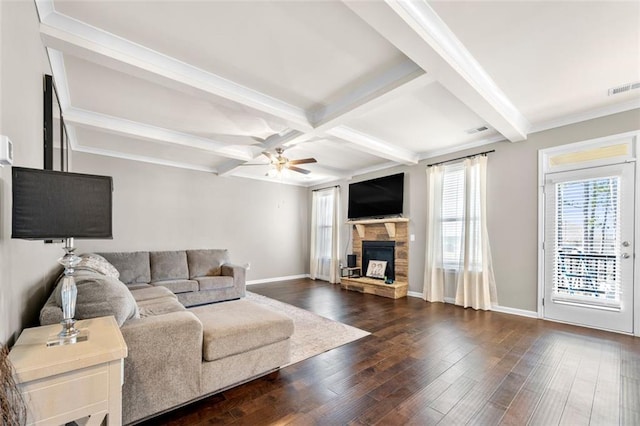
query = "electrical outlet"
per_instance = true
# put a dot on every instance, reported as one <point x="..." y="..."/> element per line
<point x="412" y="237"/>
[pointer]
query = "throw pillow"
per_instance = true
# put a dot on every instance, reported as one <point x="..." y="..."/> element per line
<point x="100" y="295"/>
<point x="96" y="263"/>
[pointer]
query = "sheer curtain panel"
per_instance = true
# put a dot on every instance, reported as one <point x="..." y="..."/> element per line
<point x="434" y="267"/>
<point x="325" y="261"/>
<point x="457" y="237"/>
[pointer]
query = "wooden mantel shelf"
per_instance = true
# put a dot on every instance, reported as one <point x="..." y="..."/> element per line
<point x="389" y="224"/>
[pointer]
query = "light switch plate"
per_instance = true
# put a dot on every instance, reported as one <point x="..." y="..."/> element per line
<point x="6" y="151"/>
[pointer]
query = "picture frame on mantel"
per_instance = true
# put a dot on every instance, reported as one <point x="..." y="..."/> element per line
<point x="376" y="268"/>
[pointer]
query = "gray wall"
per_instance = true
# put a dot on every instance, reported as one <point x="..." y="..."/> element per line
<point x="26" y="267"/>
<point x="165" y="208"/>
<point x="512" y="205"/>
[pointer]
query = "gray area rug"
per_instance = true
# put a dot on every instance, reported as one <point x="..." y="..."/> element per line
<point x="313" y="334"/>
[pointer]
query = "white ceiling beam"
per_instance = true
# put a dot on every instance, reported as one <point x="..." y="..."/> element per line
<point x="373" y="93"/>
<point x="416" y="29"/>
<point x="137" y="130"/>
<point x="374" y="146"/>
<point x="359" y="109"/>
<point x="79" y="39"/>
<point x="93" y="44"/>
<point x="142" y="158"/>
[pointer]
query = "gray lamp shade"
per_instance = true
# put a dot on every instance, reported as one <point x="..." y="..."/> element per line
<point x="50" y="205"/>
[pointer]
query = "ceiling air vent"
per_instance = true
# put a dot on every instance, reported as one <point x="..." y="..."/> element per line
<point x="624" y="88"/>
<point x="477" y="130"/>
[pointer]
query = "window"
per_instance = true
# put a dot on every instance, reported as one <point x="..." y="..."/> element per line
<point x="324" y="235"/>
<point x="586" y="263"/>
<point x="458" y="251"/>
<point x="453" y="216"/>
<point x="324" y="225"/>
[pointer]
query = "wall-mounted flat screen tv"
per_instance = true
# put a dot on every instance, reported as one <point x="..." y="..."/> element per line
<point x="51" y="205"/>
<point x="381" y="197"/>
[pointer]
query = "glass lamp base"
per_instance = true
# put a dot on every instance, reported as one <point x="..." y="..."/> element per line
<point x="59" y="340"/>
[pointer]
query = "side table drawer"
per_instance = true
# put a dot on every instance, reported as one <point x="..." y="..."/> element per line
<point x="71" y="395"/>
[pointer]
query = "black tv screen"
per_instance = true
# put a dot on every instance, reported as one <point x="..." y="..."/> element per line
<point x="376" y="197"/>
<point x="51" y="205"/>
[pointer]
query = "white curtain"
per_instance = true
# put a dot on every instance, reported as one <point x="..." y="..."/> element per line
<point x="458" y="241"/>
<point x="434" y="274"/>
<point x="325" y="241"/>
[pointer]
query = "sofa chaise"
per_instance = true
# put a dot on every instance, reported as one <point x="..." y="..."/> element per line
<point x="176" y="354"/>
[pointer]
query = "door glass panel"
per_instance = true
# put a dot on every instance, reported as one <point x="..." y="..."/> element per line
<point x="586" y="261"/>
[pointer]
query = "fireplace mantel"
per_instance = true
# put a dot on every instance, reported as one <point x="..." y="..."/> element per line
<point x="389" y="224"/>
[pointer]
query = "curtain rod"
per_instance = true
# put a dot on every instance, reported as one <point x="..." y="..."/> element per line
<point x="461" y="158"/>
<point x="322" y="189"/>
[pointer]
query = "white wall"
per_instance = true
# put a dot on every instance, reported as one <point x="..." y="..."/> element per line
<point x="166" y="208"/>
<point x="512" y="205"/>
<point x="25" y="266"/>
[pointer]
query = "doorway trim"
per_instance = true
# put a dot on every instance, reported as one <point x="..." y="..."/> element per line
<point x="632" y="140"/>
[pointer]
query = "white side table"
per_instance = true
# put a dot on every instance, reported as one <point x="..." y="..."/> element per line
<point x="72" y="382"/>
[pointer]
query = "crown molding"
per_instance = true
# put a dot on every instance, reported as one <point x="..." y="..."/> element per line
<point x="586" y="115"/>
<point x="458" y="148"/>
<point x="376" y="168"/>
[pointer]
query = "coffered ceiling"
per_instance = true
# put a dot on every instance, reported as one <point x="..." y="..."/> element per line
<point x="360" y="86"/>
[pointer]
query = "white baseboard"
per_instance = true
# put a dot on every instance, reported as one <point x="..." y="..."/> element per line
<point x="495" y="308"/>
<point x="515" y="311"/>
<point x="274" y="279"/>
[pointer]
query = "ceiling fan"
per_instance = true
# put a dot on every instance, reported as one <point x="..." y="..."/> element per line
<point x="280" y="162"/>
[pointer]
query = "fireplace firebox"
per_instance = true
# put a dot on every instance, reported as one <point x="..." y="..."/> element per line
<point x="379" y="250"/>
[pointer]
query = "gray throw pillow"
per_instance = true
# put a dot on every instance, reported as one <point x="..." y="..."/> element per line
<point x="99" y="296"/>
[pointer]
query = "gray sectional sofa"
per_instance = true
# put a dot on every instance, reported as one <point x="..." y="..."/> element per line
<point x="176" y="354"/>
<point x="196" y="277"/>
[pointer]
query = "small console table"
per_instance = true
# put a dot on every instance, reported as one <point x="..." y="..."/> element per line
<point x="350" y="272"/>
<point x="64" y="383"/>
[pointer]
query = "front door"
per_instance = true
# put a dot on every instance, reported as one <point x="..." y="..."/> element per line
<point x="589" y="246"/>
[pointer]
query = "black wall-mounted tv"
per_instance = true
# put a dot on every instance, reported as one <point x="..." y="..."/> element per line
<point x="381" y="197"/>
<point x="50" y="205"/>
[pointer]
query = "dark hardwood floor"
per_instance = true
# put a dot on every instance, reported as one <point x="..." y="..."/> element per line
<point x="429" y="364"/>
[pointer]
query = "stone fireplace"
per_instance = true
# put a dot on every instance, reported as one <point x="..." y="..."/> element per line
<point x="380" y="239"/>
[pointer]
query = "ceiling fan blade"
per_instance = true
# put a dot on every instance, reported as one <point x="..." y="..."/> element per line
<point x="299" y="170"/>
<point x="255" y="164"/>
<point x="270" y="156"/>
<point x="303" y="161"/>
